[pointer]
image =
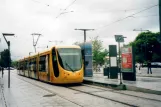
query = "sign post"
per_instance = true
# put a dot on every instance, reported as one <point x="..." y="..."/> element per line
<point x="119" y="38"/>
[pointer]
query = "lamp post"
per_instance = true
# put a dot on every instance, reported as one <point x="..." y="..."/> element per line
<point x="8" y="43"/>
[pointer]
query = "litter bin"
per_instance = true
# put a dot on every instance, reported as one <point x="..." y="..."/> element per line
<point x="113" y="72"/>
<point x="106" y="71"/>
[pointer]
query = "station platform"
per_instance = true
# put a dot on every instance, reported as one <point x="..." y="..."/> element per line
<point x="148" y="83"/>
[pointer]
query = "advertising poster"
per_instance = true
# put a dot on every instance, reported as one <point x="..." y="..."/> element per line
<point x="127" y="61"/>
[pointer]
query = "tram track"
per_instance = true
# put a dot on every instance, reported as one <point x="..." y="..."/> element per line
<point x="127" y="104"/>
<point x="52" y="92"/>
<point x="116" y="91"/>
<point x="92" y="93"/>
<point x="113" y="91"/>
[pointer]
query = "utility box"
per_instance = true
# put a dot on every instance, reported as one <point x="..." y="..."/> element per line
<point x="106" y="72"/>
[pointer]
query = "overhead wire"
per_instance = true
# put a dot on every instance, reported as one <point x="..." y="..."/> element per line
<point x="126" y="17"/>
<point x="66" y="8"/>
<point x="40" y="2"/>
<point x="60" y="13"/>
<point x="70" y="4"/>
<point x="144" y="16"/>
<point x="132" y="9"/>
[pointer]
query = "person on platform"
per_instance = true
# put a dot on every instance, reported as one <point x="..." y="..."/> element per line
<point x="149" y="67"/>
<point x="139" y="68"/>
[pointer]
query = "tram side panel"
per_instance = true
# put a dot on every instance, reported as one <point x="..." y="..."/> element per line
<point x="44" y="73"/>
<point x="26" y="68"/>
<point x="49" y="67"/>
<point x="33" y="68"/>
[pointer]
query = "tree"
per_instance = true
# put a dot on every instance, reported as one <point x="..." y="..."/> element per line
<point x="97" y="51"/>
<point x="5" y="59"/>
<point x="14" y="63"/>
<point x="147" y="47"/>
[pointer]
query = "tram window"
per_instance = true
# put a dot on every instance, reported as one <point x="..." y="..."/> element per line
<point x="42" y="63"/>
<point x="29" y="65"/>
<point x="20" y="65"/>
<point x="33" y="64"/>
<point x="25" y="65"/>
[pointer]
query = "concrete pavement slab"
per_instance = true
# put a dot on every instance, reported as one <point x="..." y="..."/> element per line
<point x="24" y="94"/>
<point x="143" y="84"/>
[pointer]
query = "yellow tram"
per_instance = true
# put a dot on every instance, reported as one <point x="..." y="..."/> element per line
<point x="59" y="65"/>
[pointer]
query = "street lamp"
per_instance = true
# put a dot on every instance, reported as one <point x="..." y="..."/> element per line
<point x="8" y="43"/>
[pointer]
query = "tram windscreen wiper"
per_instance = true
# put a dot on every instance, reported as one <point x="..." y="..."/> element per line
<point x="69" y="66"/>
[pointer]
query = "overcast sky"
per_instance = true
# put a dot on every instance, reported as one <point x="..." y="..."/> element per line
<point x="24" y="17"/>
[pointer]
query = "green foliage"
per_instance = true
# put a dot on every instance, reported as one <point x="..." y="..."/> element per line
<point x="5" y="59"/>
<point x="98" y="52"/>
<point x="147" y="47"/>
<point x="14" y="63"/>
<point x="156" y="57"/>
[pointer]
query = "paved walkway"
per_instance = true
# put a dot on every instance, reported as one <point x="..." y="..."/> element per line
<point x="24" y="94"/>
<point x="143" y="72"/>
<point x="144" y="81"/>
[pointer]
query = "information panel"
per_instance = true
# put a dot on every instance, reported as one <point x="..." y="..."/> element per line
<point x="127" y="59"/>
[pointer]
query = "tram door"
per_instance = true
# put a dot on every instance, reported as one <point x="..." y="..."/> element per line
<point x="44" y="73"/>
<point x="47" y="68"/>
